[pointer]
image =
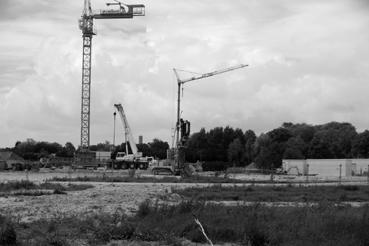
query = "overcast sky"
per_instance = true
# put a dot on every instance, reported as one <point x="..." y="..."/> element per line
<point x="308" y="62"/>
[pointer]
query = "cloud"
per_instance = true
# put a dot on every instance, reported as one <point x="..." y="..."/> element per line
<point x="308" y="63"/>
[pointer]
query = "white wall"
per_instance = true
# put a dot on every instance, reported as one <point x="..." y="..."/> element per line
<point x="326" y="167"/>
<point x="294" y="167"/>
<point x="361" y="165"/>
<point x="329" y="167"/>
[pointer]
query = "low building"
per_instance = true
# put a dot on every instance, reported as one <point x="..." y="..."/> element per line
<point x="326" y="167"/>
<point x="103" y="155"/>
<point x="3" y="165"/>
<point x="10" y="160"/>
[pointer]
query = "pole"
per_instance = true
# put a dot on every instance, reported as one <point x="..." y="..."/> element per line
<point x="178" y="112"/>
<point x="114" y="116"/>
<point x="367" y="173"/>
<point x="307" y="173"/>
<point x="340" y="177"/>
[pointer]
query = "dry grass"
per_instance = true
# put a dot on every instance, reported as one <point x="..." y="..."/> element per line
<point x="165" y="179"/>
<point x="320" y="225"/>
<point x="28" y="188"/>
<point x="277" y="193"/>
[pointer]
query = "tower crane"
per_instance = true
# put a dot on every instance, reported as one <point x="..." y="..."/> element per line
<point x="180" y="83"/>
<point x="175" y="162"/>
<point x="86" y="25"/>
<point x="177" y="153"/>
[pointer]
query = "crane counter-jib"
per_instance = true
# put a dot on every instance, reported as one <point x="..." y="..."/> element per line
<point x="128" y="11"/>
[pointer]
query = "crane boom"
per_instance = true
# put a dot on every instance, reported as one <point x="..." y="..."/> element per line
<point x="127" y="129"/>
<point x="180" y="82"/>
<point x="205" y="75"/>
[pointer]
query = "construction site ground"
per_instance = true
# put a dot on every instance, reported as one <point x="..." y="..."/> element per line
<point x="112" y="198"/>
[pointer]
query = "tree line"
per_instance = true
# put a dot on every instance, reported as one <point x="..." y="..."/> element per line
<point x="289" y="141"/>
<point x="235" y="147"/>
<point x="35" y="150"/>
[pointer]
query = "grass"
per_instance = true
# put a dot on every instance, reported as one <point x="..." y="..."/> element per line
<point x="277" y="193"/>
<point x="28" y="188"/>
<point x="323" y="224"/>
<point x="166" y="179"/>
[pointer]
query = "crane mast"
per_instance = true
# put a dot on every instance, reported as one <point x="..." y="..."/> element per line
<point x="86" y="25"/>
<point x="127" y="129"/>
<point x="180" y="82"/>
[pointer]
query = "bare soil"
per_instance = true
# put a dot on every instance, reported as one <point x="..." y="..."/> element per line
<point x="104" y="197"/>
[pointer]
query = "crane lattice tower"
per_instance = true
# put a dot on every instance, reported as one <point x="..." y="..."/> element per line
<point x="86" y="25"/>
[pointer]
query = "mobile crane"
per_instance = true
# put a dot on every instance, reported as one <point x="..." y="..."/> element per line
<point x="126" y="160"/>
<point x="176" y="161"/>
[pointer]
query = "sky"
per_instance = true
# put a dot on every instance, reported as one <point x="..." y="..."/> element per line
<point x="308" y="62"/>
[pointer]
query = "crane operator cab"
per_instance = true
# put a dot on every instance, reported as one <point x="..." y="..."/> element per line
<point x="185" y="127"/>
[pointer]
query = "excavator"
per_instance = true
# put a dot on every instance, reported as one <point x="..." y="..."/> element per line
<point x="135" y="160"/>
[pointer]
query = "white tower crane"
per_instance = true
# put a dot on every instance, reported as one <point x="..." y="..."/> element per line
<point x="180" y="82"/>
<point x="183" y="126"/>
<point x="86" y="25"/>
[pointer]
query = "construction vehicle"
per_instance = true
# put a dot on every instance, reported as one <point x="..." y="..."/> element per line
<point x="83" y="157"/>
<point x="135" y="160"/>
<point x="176" y="160"/>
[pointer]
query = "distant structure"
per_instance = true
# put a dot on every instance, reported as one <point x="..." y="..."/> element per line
<point x="326" y="167"/>
<point x="140" y="139"/>
<point x="10" y="160"/>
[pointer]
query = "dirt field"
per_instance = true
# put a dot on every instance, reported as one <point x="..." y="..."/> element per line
<point x="104" y="197"/>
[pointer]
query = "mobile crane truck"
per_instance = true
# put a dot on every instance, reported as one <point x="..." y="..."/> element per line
<point x="135" y="160"/>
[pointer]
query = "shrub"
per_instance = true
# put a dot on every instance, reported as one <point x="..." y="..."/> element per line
<point x="17" y="185"/>
<point x="349" y="187"/>
<point x="123" y="230"/>
<point x="144" y="208"/>
<point x="215" y="166"/>
<point x="8" y="235"/>
<point x="59" y="192"/>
